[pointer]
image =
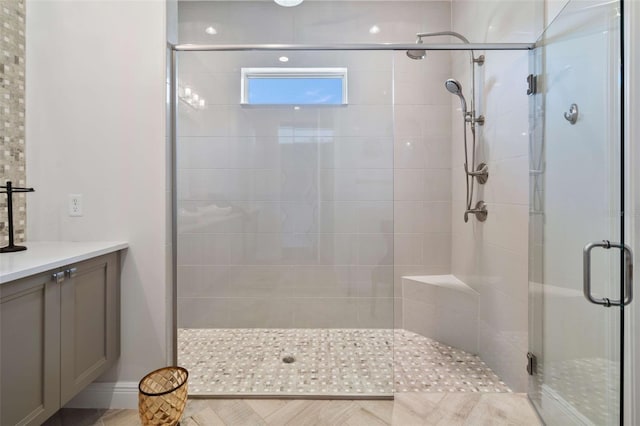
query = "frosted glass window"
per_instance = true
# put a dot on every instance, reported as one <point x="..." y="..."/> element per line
<point x="294" y="86"/>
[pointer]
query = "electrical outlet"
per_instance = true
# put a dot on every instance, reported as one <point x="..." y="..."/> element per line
<point x="75" y="205"/>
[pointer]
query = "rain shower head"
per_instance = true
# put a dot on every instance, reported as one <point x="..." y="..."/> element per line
<point x="417" y="53"/>
<point x="455" y="88"/>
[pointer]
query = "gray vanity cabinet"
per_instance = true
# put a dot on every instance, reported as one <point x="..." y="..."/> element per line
<point x="60" y="330"/>
<point x="29" y="350"/>
<point x="90" y="323"/>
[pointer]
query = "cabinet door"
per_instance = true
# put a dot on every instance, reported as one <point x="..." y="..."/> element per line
<point x="29" y="350"/>
<point x="90" y="323"/>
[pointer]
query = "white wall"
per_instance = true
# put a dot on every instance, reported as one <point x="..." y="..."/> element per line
<point x="96" y="126"/>
<point x="492" y="257"/>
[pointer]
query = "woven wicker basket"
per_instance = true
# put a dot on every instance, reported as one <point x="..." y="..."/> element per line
<point x="162" y="396"/>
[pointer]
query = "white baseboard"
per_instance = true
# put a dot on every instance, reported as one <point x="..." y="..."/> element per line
<point x="107" y="395"/>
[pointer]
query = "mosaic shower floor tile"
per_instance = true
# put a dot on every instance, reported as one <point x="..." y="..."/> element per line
<point x="587" y="384"/>
<point x="336" y="362"/>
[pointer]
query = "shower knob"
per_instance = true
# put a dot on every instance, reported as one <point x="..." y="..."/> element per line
<point x="481" y="173"/>
<point x="480" y="211"/>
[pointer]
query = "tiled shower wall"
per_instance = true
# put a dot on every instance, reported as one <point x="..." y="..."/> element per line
<point x="12" y="109"/>
<point x="492" y="257"/>
<point x="285" y="215"/>
<point x="422" y="176"/>
<point x="397" y="134"/>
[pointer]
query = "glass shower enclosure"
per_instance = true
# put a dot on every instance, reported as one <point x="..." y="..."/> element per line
<point x="284" y="216"/>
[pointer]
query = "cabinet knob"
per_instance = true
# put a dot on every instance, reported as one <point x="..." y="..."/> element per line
<point x="72" y="272"/>
<point x="58" y="277"/>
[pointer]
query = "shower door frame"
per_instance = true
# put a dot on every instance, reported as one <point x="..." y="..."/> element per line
<point x="174" y="49"/>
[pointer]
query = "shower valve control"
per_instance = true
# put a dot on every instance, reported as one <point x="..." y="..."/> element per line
<point x="481" y="173"/>
<point x="480" y="211"/>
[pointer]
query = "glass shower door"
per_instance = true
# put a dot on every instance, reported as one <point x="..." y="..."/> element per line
<point x="576" y="200"/>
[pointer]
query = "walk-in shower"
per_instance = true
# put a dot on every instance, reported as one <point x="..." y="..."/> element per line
<point x="285" y="224"/>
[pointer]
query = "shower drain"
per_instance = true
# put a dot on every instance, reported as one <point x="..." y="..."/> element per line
<point x="288" y="359"/>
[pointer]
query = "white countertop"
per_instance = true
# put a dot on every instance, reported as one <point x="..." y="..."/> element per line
<point x="44" y="256"/>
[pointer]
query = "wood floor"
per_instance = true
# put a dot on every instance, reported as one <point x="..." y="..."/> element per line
<point x="408" y="409"/>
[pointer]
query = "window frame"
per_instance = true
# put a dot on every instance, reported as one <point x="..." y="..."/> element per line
<point x="282" y="72"/>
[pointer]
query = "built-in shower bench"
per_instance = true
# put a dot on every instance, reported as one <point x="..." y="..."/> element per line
<point x="443" y="308"/>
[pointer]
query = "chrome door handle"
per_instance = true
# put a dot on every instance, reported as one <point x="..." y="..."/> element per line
<point x="628" y="274"/>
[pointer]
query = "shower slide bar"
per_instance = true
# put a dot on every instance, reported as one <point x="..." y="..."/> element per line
<point x="356" y="46"/>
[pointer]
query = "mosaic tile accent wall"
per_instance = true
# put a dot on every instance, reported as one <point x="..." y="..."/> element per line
<point x="12" y="112"/>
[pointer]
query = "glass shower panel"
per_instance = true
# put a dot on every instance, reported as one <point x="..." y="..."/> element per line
<point x="285" y="229"/>
<point x="576" y="200"/>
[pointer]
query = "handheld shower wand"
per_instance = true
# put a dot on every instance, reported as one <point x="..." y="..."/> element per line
<point x="455" y="88"/>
